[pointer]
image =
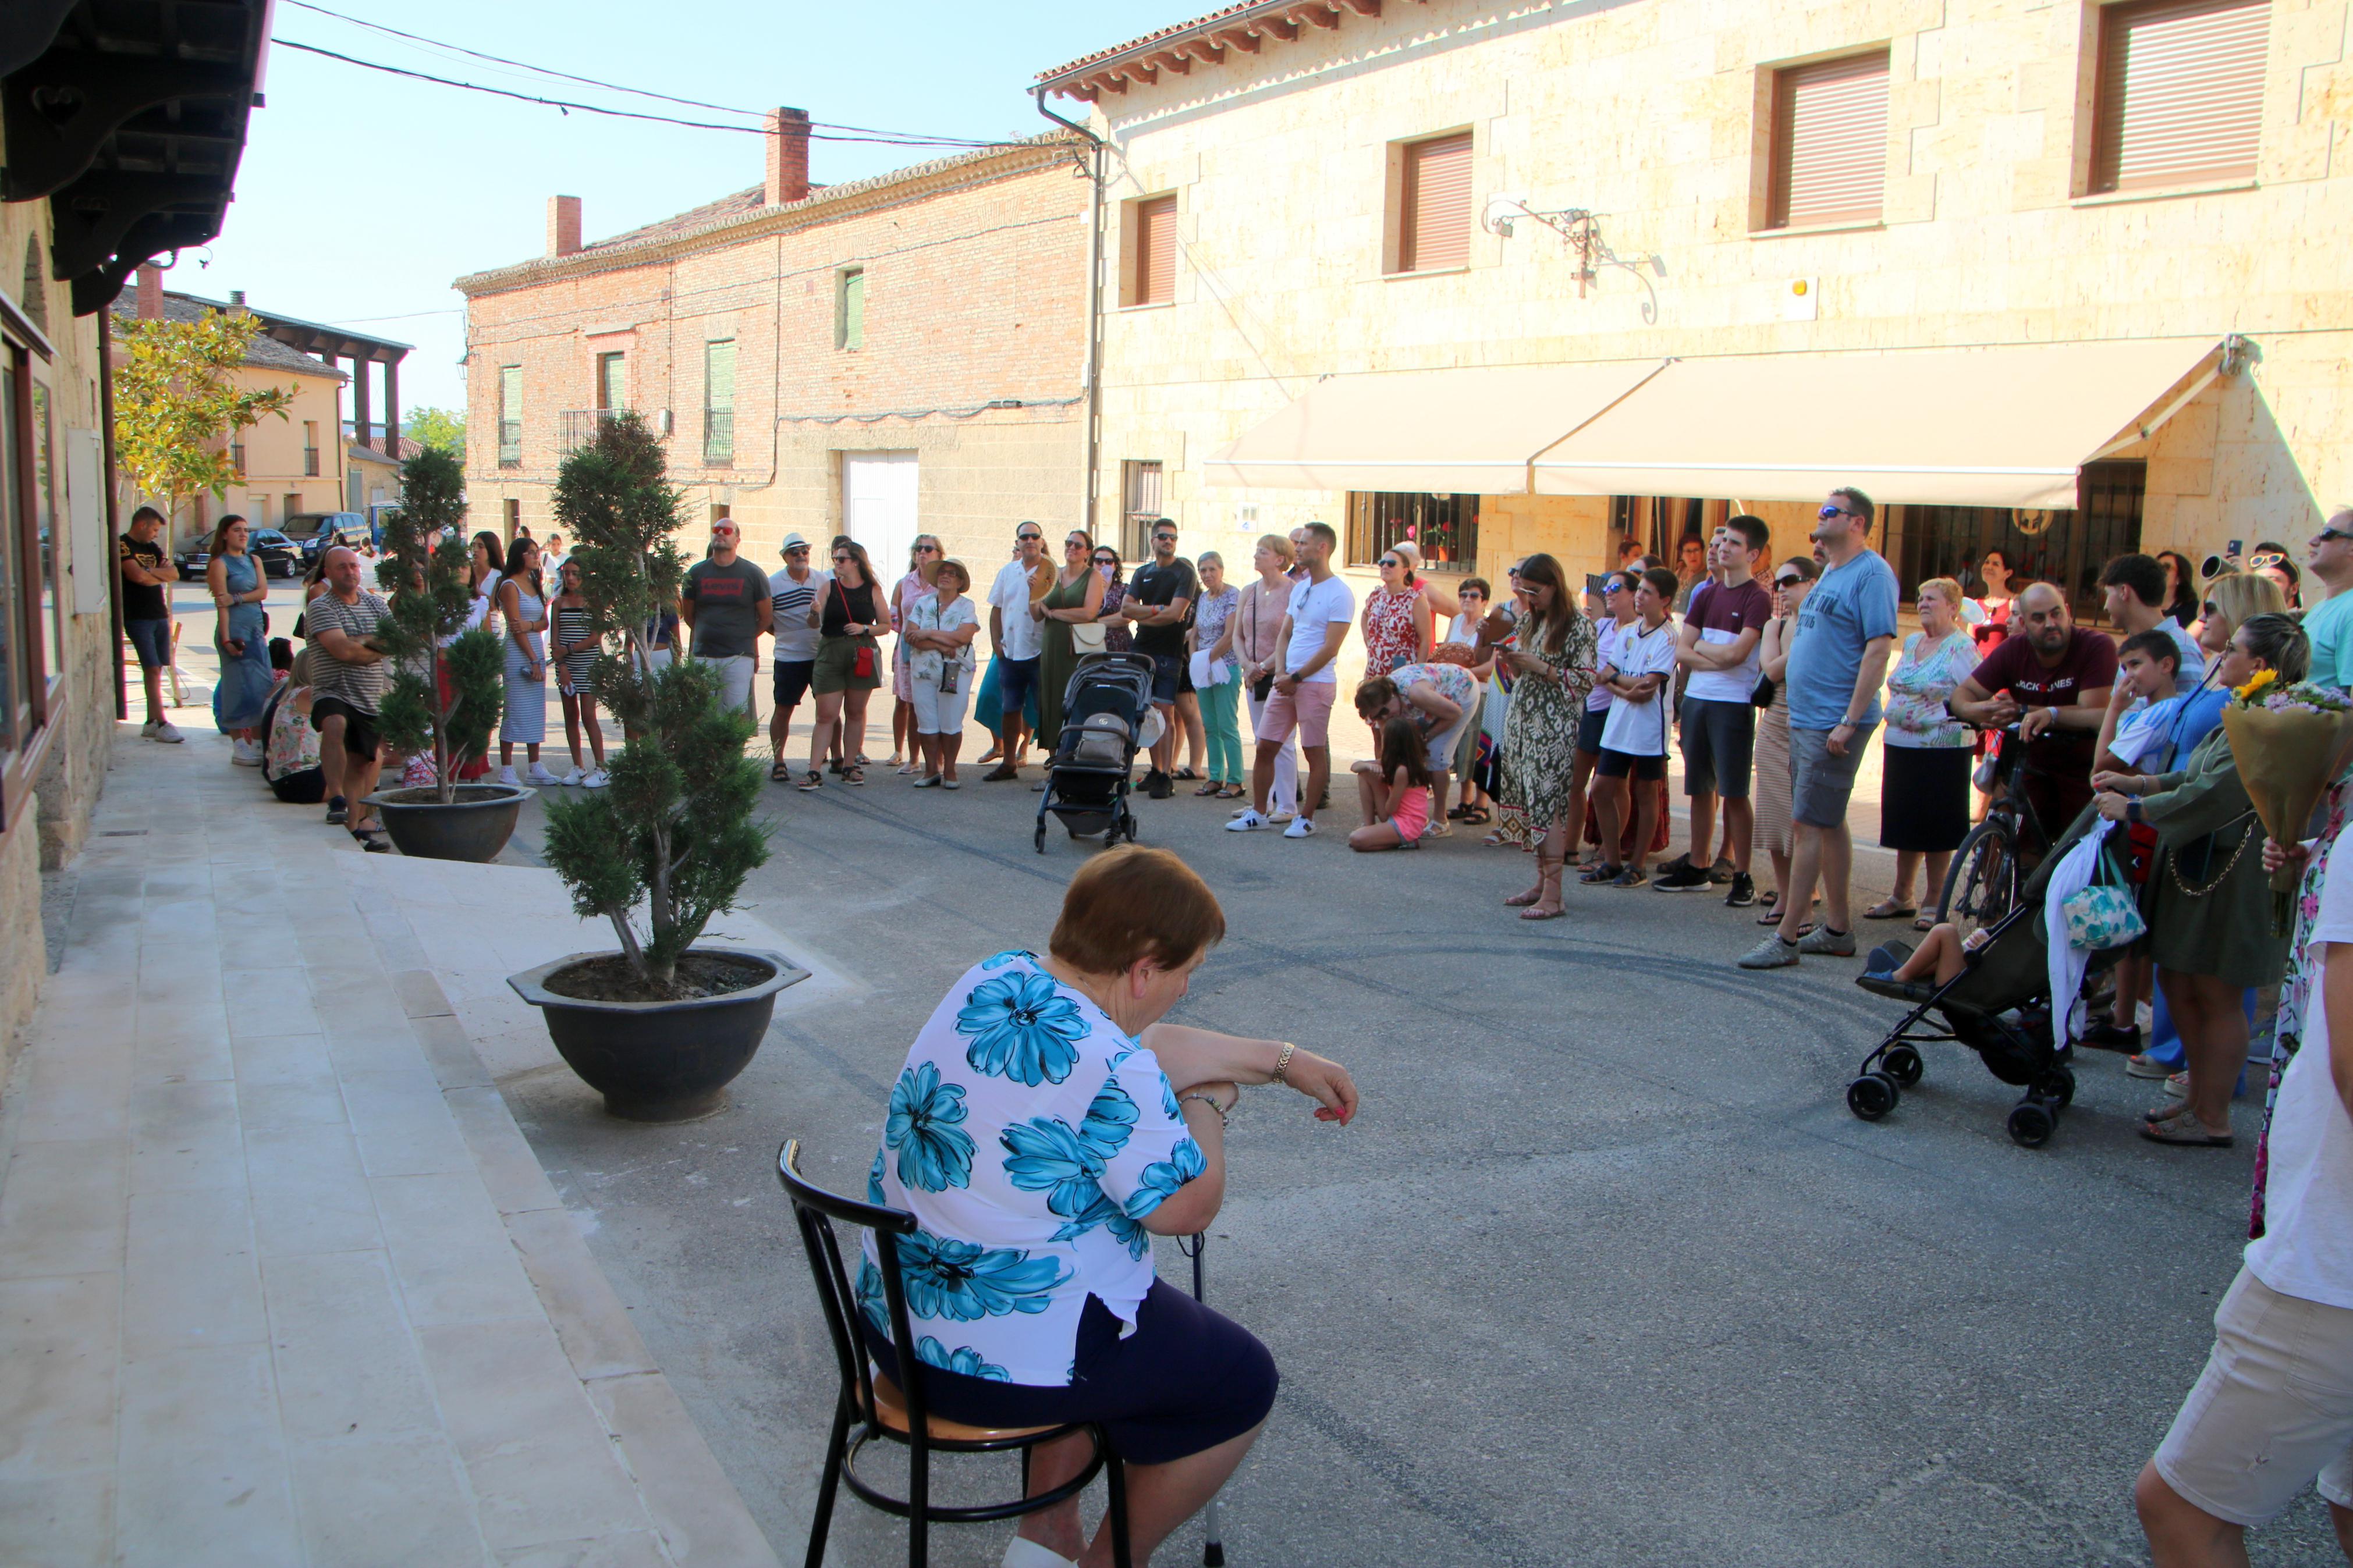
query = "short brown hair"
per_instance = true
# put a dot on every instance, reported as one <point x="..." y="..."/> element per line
<point x="1134" y="903"/>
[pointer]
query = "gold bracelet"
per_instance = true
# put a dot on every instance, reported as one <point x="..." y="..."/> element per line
<point x="1282" y="1064"/>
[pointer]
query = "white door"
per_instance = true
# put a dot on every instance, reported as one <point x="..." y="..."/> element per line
<point x="878" y="507"/>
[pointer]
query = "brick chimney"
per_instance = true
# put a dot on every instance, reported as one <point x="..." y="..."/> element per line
<point x="237" y="299"/>
<point x="150" y="292"/>
<point x="788" y="137"/>
<point x="563" y="225"/>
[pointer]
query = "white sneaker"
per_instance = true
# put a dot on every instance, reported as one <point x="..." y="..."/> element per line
<point x="593" y="779"/>
<point x="1023" y="1553"/>
<point x="243" y="753"/>
<point x="1301" y="828"/>
<point x="1280" y="817"/>
<point x="540" y="776"/>
<point x="569" y="776"/>
<point x="162" y="729"/>
<point x="1249" y="821"/>
<point x="507" y="777"/>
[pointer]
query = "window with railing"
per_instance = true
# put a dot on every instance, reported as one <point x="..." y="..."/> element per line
<point x="1140" y="490"/>
<point x="1445" y="529"/>
<point x="719" y="402"/>
<point x="578" y="426"/>
<point x="311" y="448"/>
<point x="511" y="417"/>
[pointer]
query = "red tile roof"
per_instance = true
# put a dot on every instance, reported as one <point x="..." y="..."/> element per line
<point x="1203" y="40"/>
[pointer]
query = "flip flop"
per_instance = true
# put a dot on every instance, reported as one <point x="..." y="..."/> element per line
<point x="1927" y="922"/>
<point x="2184" y="1129"/>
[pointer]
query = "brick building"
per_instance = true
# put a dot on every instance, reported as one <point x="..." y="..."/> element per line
<point x="891" y="355"/>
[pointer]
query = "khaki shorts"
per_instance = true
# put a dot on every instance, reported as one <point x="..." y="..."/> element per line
<point x="2273" y="1411"/>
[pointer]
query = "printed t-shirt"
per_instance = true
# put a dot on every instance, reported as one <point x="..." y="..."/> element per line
<point x="1010" y="595"/>
<point x="142" y="601"/>
<point x="925" y="615"/>
<point x="2088" y="665"/>
<point x="1722" y="613"/>
<point x="1639" y="729"/>
<point x="1851" y="606"/>
<point x="796" y="640"/>
<point x="726" y="601"/>
<point x="1316" y="608"/>
<point x="2306" y="1247"/>
<point x="1160" y="587"/>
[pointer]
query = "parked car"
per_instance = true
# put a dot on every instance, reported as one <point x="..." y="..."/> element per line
<point x="279" y="556"/>
<point x="313" y="532"/>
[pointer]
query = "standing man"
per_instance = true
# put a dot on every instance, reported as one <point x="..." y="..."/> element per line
<point x="1159" y="597"/>
<point x="2329" y="624"/>
<point x="724" y="602"/>
<point x="1836" y="667"/>
<point x="2052" y="680"/>
<point x="1322" y="610"/>
<point x="789" y="598"/>
<point x="347" y="686"/>
<point x="1718" y="651"/>
<point x="1015" y="634"/>
<point x="147" y="574"/>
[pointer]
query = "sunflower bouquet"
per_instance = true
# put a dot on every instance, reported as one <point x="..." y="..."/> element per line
<point x="2290" y="741"/>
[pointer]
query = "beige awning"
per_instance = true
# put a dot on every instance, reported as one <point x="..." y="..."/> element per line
<point x="1990" y="426"/>
<point x="1461" y="432"/>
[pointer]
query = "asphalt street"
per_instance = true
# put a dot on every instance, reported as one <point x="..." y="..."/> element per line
<point x="1604" y="1273"/>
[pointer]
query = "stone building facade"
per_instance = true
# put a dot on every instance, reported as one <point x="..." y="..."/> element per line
<point x="1965" y="207"/>
<point x="893" y="355"/>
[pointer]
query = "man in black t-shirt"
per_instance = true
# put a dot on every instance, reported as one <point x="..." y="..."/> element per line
<point x="147" y="574"/>
<point x="1159" y="598"/>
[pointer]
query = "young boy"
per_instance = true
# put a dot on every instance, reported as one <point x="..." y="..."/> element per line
<point x="1634" y="735"/>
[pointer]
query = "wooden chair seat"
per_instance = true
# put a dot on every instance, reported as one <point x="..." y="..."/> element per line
<point x="891" y="1411"/>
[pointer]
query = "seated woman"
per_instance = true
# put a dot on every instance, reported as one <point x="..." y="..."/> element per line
<point x="1046" y="1127"/>
<point x="1394" y="789"/>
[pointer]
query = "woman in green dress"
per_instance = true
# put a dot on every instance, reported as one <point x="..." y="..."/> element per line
<point x="1074" y="599"/>
<point x="1552" y="658"/>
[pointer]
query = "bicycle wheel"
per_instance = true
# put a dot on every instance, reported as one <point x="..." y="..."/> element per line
<point x="1982" y="886"/>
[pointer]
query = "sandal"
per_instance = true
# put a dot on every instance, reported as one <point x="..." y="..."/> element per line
<point x="1521" y="900"/>
<point x="373" y="840"/>
<point x="1232" y="792"/>
<point x="779" y="772"/>
<point x="1533" y="913"/>
<point x="2186" y="1130"/>
<point x="1889" y="910"/>
<point x="1211" y="788"/>
<point x="853" y="773"/>
<point x="1183" y="775"/>
<point x="1477" y="817"/>
<point x="1927" y="920"/>
<point x="1594" y="874"/>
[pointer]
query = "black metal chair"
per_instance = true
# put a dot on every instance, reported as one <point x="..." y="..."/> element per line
<point x="883" y="1410"/>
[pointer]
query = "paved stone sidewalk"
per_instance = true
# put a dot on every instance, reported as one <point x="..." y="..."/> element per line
<point x="280" y="1283"/>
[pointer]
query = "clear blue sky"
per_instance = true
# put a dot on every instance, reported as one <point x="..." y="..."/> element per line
<point x="362" y="194"/>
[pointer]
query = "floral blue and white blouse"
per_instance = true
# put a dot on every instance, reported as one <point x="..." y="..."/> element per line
<point x="925" y="615"/>
<point x="1030" y="1136"/>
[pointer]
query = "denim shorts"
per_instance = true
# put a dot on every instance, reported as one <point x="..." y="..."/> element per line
<point x="1167" y="677"/>
<point x="152" y="639"/>
<point x="1821" y="785"/>
<point x="1017" y="679"/>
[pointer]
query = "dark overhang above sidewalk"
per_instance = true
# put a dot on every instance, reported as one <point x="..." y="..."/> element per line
<point x="130" y="116"/>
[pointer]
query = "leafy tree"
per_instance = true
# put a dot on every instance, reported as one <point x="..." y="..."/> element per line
<point x="448" y="682"/>
<point x="674" y="831"/>
<point x="176" y="406"/>
<point x="444" y="428"/>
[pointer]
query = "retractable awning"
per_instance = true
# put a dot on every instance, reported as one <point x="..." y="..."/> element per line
<point x="1460" y="432"/>
<point x="1988" y="427"/>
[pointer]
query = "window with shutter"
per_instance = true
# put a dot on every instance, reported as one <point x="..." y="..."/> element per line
<point x="1434" y="205"/>
<point x="1152" y="279"/>
<point x="2180" y="93"/>
<point x="509" y="416"/>
<point x="1829" y="141"/>
<point x="719" y="402"/>
<point x="849" y="308"/>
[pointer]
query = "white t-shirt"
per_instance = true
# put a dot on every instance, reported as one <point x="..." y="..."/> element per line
<point x="1011" y="593"/>
<point x="1605" y="648"/>
<point x="2306" y="1250"/>
<point x="1639" y="729"/>
<point x="1315" y="607"/>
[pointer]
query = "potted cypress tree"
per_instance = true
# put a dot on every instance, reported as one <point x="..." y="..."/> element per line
<point x="447" y="682"/>
<point x="659" y="1026"/>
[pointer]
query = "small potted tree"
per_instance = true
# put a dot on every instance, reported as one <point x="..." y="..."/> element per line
<point x="659" y="1026"/>
<point x="447" y="681"/>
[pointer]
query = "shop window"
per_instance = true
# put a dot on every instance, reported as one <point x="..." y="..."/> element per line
<point x="511" y="417"/>
<point x="2066" y="546"/>
<point x="1140" y="506"/>
<point x="31" y="628"/>
<point x="1445" y="529"/>
<point x="1149" y="232"/>
<point x="1430" y="204"/>
<point x="1829" y="141"/>
<point x="719" y="402"/>
<point x="2180" y="93"/>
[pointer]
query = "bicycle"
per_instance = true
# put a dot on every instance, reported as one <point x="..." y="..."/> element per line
<point x="1982" y="886"/>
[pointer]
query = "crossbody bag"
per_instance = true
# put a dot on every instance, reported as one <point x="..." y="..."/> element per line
<point x="861" y="665"/>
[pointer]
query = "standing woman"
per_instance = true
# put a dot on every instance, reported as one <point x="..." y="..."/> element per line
<point x="1792" y="580"/>
<point x="576" y="647"/>
<point x="923" y="572"/>
<point x="482" y="576"/>
<point x="937" y="635"/>
<point x="240" y="638"/>
<point x="1213" y="632"/>
<point x="1114" y="573"/>
<point x="848" y="659"/>
<point x="1257" y="618"/>
<point x="1988" y="614"/>
<point x="1552" y="661"/>
<point x="1398" y="621"/>
<point x="1075" y="600"/>
<point x="1923" y="802"/>
<point x="1463" y="632"/>
<point x="524" y="608"/>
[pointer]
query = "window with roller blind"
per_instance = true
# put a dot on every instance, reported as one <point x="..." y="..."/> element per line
<point x="1432" y="205"/>
<point x="2179" y="93"/>
<point x="1830" y="142"/>
<point x="1150" y="233"/>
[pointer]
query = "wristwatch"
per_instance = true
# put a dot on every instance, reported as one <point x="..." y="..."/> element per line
<point x="2132" y="809"/>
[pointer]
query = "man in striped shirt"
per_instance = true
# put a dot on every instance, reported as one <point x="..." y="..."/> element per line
<point x="792" y="592"/>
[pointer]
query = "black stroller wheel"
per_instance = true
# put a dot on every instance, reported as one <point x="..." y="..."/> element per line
<point x="2060" y="1087"/>
<point x="2030" y="1125"/>
<point x="1871" y="1096"/>
<point x="1902" y="1063"/>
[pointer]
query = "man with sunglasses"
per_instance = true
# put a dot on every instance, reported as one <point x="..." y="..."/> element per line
<point x="2329" y="623"/>
<point x="1837" y="664"/>
<point x="1014" y="632"/>
<point x="726" y="603"/>
<point x="792" y="592"/>
<point x="1159" y="597"/>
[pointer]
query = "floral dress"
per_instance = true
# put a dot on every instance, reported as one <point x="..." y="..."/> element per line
<point x="1390" y="638"/>
<point x="2295" y="992"/>
<point x="1540" y="744"/>
<point x="1117" y="637"/>
<point x="1030" y="1136"/>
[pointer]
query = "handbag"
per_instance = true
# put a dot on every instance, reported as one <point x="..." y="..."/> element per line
<point x="1762" y="696"/>
<point x="1088" y="637"/>
<point x="861" y="663"/>
<point x="2104" y="914"/>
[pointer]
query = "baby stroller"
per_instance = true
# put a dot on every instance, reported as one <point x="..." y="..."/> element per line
<point x="1999" y="1006"/>
<point x="1104" y="710"/>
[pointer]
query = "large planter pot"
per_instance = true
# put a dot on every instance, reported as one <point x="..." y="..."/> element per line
<point x="475" y="826"/>
<point x="660" y="1061"/>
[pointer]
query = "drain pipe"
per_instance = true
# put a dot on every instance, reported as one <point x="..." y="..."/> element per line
<point x="1094" y="372"/>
